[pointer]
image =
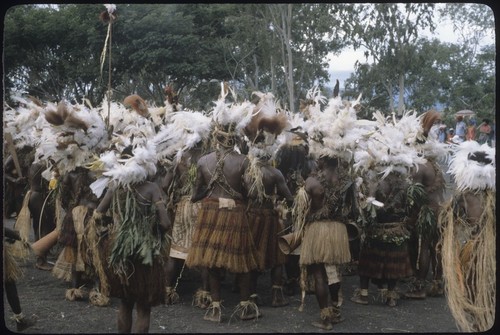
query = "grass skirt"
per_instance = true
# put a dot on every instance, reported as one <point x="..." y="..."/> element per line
<point x="325" y="242"/>
<point x="265" y="226"/>
<point x="72" y="253"/>
<point x="385" y="260"/>
<point x="222" y="239"/>
<point x="469" y="264"/>
<point x="186" y="213"/>
<point x="144" y="284"/>
<point x="12" y="271"/>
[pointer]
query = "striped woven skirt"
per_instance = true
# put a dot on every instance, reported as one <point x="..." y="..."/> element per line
<point x="186" y="214"/>
<point x="266" y="226"/>
<point x="385" y="260"/>
<point x="222" y="237"/>
<point x="325" y="242"/>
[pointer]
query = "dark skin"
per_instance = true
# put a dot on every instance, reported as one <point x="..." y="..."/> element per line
<point x="72" y="181"/>
<point x="296" y="165"/>
<point x="316" y="192"/>
<point x="10" y="286"/>
<point x="16" y="184"/>
<point x="235" y="165"/>
<point x="382" y="190"/>
<point x="151" y="193"/>
<point x="427" y="176"/>
<point x="44" y="220"/>
<point x="173" y="265"/>
<point x="272" y="179"/>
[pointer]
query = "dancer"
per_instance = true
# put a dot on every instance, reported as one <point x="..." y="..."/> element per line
<point x="136" y="240"/>
<point x="468" y="238"/>
<point x="12" y="273"/>
<point x="325" y="240"/>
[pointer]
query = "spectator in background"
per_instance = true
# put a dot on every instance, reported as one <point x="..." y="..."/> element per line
<point x="485" y="132"/>
<point x="450" y="135"/>
<point x="442" y="133"/>
<point x="471" y="130"/>
<point x="460" y="127"/>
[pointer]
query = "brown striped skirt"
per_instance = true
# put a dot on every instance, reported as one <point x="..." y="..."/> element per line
<point x="222" y="238"/>
<point x="266" y="226"/>
<point x="385" y="260"/>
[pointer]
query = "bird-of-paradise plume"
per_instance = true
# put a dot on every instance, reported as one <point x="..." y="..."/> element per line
<point x="427" y="120"/>
<point x="138" y="104"/>
<point x="172" y="96"/>
<point x="109" y="14"/>
<point x="64" y="116"/>
<point x="266" y="117"/>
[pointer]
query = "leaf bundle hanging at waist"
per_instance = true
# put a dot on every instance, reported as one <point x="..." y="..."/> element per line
<point x="138" y="237"/>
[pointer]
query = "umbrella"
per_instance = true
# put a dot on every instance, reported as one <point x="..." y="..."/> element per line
<point x="465" y="112"/>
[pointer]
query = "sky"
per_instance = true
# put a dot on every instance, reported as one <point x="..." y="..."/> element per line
<point x="342" y="66"/>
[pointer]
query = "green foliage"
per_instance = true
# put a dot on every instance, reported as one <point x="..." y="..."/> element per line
<point x="53" y="52"/>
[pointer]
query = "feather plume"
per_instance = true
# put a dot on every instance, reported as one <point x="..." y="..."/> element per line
<point x="473" y="166"/>
<point x="427" y="121"/>
<point x="265" y="117"/>
<point x="184" y="131"/>
<point x="138" y="104"/>
<point x="65" y="115"/>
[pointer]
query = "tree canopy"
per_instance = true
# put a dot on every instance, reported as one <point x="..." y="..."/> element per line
<point x="54" y="52"/>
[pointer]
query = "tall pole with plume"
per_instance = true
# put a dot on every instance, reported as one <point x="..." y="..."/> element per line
<point x="108" y="16"/>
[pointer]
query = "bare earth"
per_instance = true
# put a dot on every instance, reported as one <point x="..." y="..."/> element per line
<point x="42" y="298"/>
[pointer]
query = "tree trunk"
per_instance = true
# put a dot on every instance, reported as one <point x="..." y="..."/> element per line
<point x="401" y="101"/>
<point x="288" y="41"/>
<point x="273" y="75"/>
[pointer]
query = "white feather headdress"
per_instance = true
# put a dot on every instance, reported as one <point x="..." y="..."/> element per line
<point x="184" y="131"/>
<point x="25" y="122"/>
<point x="72" y="143"/>
<point x="125" y="171"/>
<point x="390" y="146"/>
<point x="471" y="174"/>
<point x="336" y="131"/>
<point x="236" y="114"/>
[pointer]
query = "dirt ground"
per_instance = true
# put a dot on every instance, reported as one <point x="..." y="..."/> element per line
<point x="42" y="298"/>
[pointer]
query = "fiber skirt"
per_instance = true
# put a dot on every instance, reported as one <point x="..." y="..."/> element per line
<point x="12" y="271"/>
<point x="222" y="238"/>
<point x="141" y="283"/>
<point x="145" y="285"/>
<point x="72" y="253"/>
<point x="186" y="213"/>
<point x="266" y="226"/>
<point x="385" y="260"/>
<point x="325" y="242"/>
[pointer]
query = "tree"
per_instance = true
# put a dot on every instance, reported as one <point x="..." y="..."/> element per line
<point x="389" y="33"/>
<point x="52" y="51"/>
